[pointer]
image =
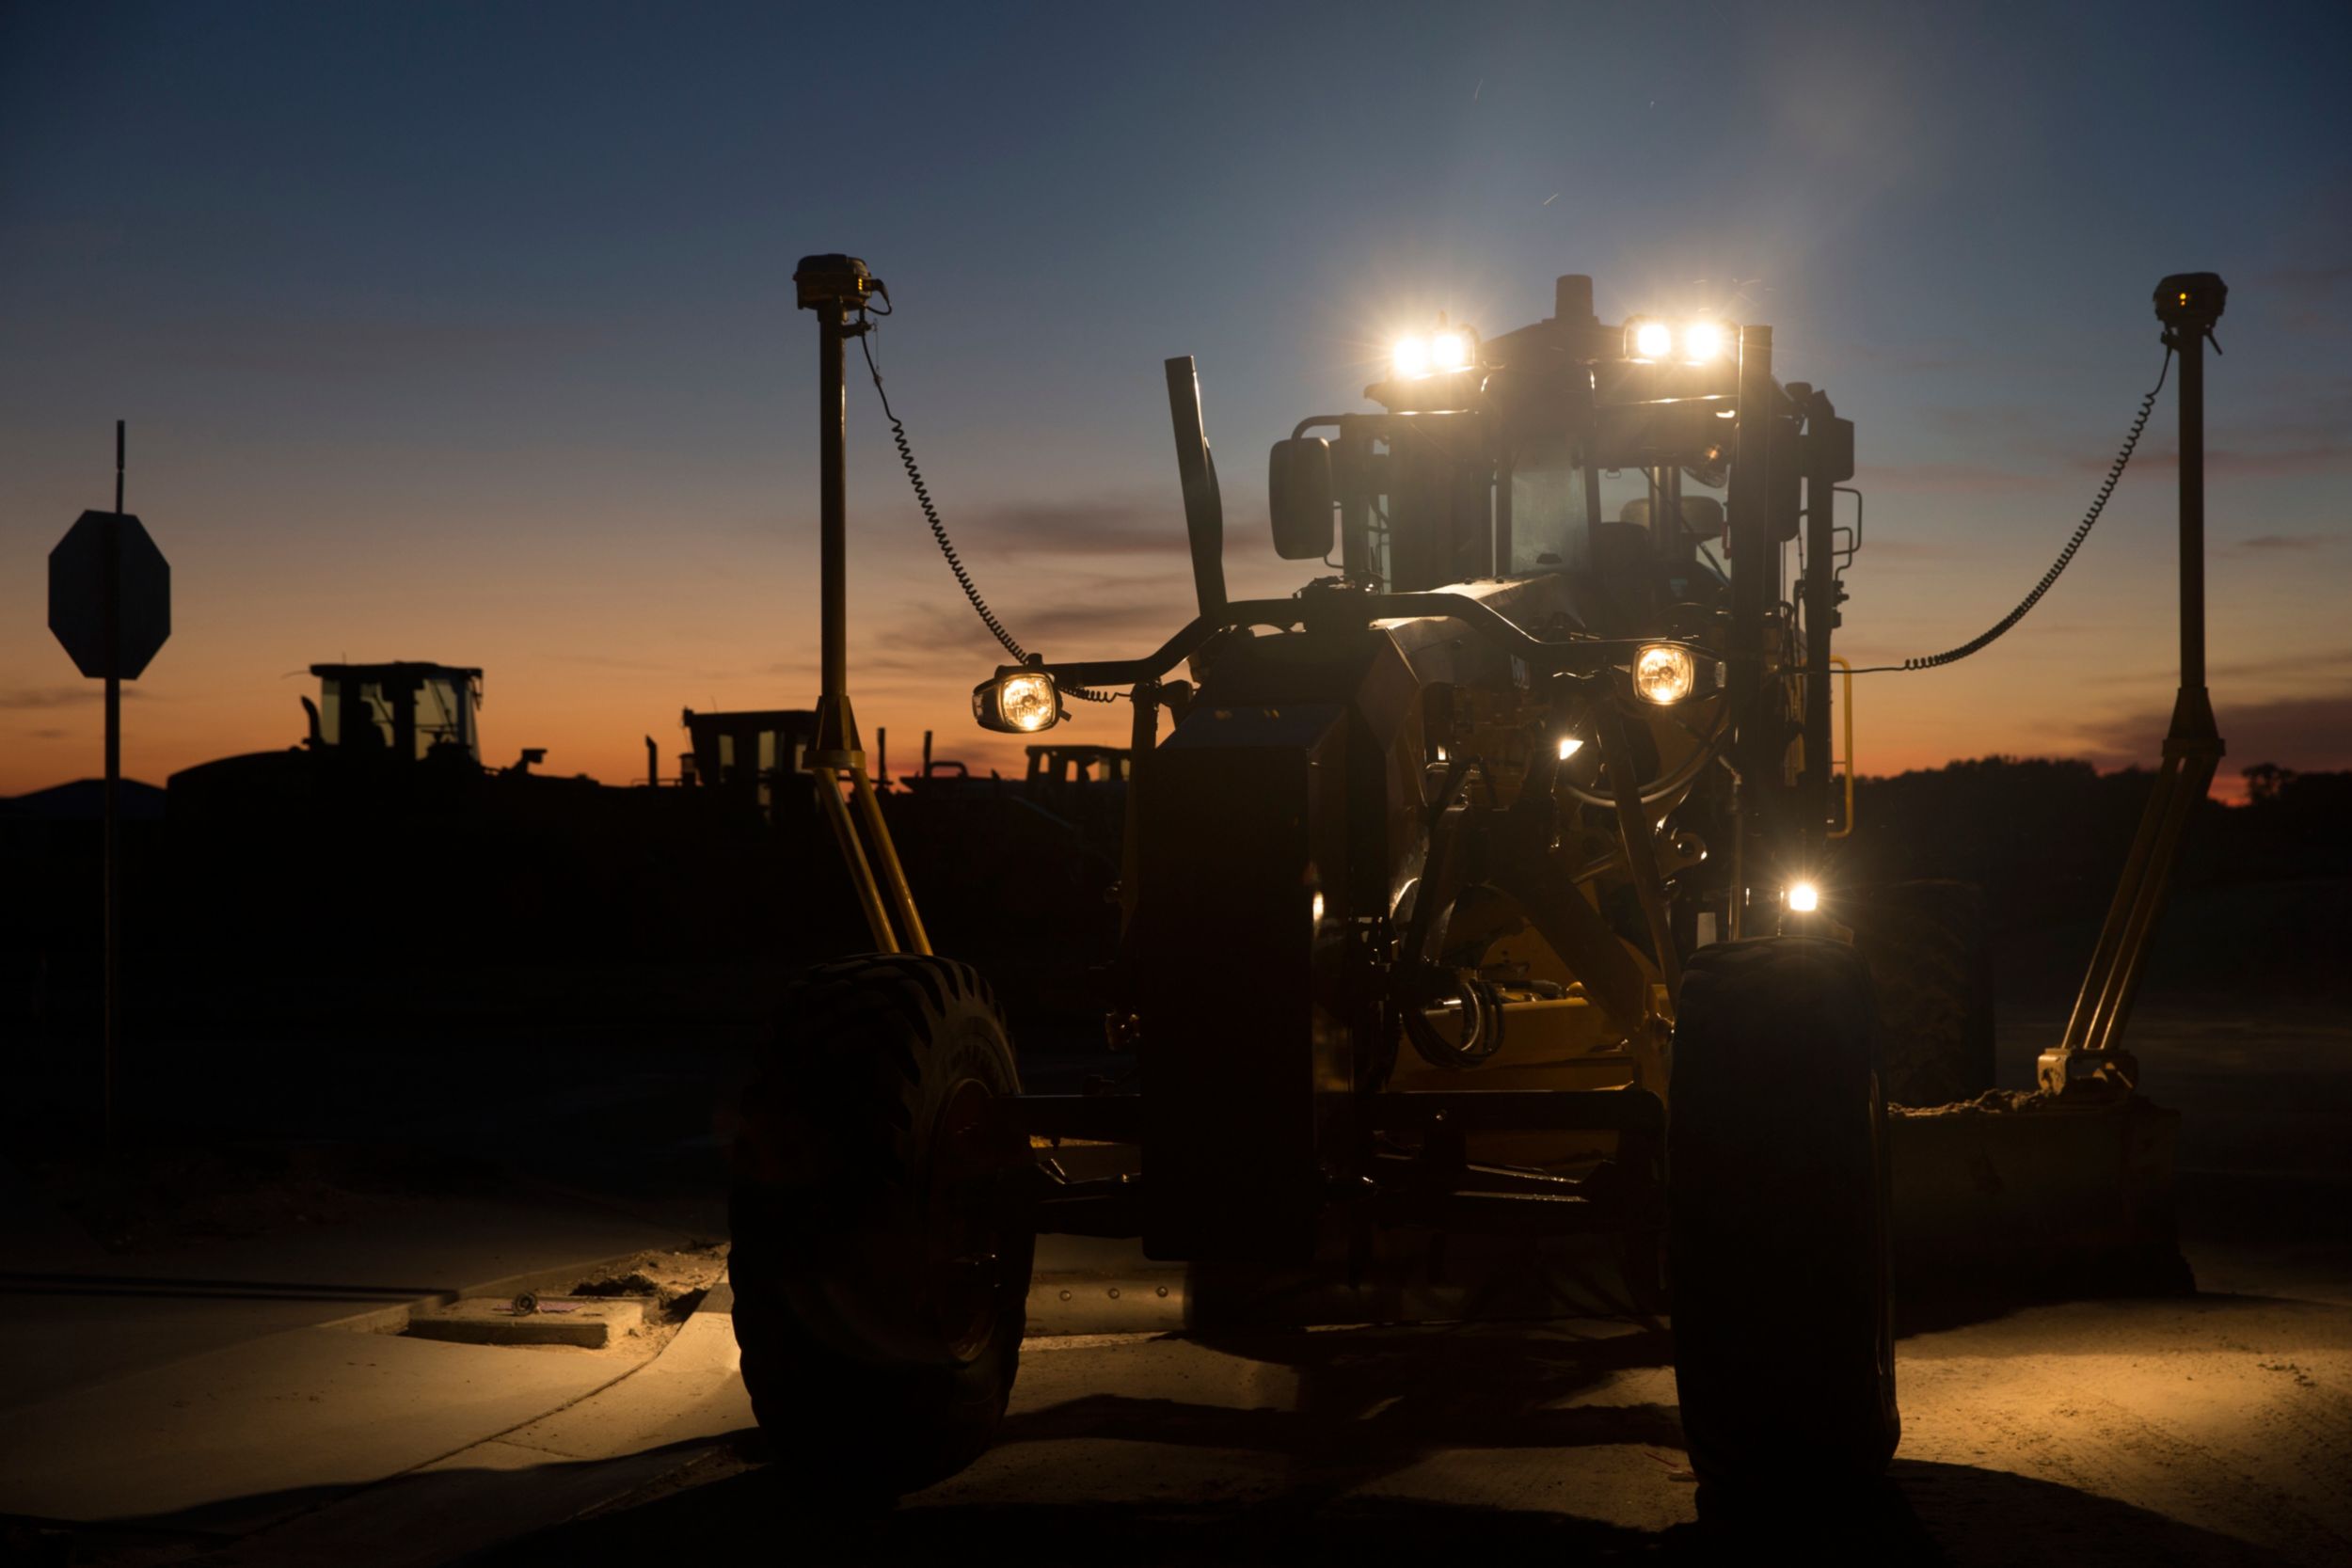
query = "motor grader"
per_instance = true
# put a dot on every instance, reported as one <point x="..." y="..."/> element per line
<point x="1479" y="887"/>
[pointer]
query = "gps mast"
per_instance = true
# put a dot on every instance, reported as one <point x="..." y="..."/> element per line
<point x="834" y="287"/>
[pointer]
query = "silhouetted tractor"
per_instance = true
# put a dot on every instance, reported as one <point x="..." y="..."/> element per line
<point x="382" y="836"/>
<point x="1476" y="887"/>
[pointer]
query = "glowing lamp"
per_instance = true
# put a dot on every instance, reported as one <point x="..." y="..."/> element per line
<point x="1664" y="673"/>
<point x="1020" y="700"/>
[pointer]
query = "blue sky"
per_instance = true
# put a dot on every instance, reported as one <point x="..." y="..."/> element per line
<point x="466" y="332"/>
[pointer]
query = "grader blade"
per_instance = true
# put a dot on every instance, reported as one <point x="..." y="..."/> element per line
<point x="2017" y="1197"/>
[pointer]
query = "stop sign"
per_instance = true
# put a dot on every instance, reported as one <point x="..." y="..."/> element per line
<point x="101" y="544"/>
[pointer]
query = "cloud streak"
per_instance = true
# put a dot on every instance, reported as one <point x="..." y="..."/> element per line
<point x="34" y="698"/>
<point x="1111" y="526"/>
<point x="2309" y="733"/>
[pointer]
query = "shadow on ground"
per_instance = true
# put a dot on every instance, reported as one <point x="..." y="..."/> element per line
<point x="1087" y="1480"/>
<point x="1929" y="1513"/>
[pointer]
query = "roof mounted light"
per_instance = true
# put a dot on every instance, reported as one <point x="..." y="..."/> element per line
<point x="1647" y="338"/>
<point x="1440" y="353"/>
<point x="1701" y="340"/>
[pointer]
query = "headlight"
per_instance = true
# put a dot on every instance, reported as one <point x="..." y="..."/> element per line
<point x="1448" y="351"/>
<point x="1803" y="897"/>
<point x="1649" y="339"/>
<point x="1664" y="673"/>
<point x="1410" y="358"/>
<point x="1017" y="702"/>
<point x="1703" y="341"/>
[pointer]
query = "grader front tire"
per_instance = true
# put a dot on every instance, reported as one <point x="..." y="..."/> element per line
<point x="1777" y="1221"/>
<point x="880" y="1298"/>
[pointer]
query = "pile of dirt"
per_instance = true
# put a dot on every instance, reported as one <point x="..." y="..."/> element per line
<point x="1992" y="1102"/>
<point x="674" y="1281"/>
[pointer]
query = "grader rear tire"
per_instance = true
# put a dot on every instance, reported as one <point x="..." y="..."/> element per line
<point x="1777" y="1221"/>
<point x="880" y="1297"/>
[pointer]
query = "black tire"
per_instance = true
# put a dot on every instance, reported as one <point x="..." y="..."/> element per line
<point x="1932" y="963"/>
<point x="1776" y="1191"/>
<point x="879" y="1292"/>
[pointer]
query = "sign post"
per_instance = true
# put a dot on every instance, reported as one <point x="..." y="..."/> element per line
<point x="110" y="607"/>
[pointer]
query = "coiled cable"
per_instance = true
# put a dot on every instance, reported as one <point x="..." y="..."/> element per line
<point x="939" y="528"/>
<point x="2082" y="531"/>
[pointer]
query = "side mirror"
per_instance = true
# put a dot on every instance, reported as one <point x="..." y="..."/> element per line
<point x="1300" y="498"/>
<point x="1835" y="448"/>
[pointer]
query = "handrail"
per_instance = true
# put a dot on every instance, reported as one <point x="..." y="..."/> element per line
<point x="1577" y="655"/>
<point x="1845" y="665"/>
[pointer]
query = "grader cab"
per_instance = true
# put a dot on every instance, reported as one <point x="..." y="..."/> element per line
<point x="1479" y="887"/>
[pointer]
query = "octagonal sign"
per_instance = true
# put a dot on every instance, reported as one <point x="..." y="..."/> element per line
<point x="104" y="544"/>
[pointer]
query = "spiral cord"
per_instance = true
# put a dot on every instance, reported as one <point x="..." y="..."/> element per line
<point x="939" y="529"/>
<point x="2082" y="531"/>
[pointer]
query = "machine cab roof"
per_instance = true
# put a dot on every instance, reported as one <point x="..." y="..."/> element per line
<point x="402" y="710"/>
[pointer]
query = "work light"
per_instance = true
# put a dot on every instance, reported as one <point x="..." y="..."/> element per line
<point x="1664" y="673"/>
<point x="1018" y="701"/>
<point x="1649" y="339"/>
<point x="1432" y="354"/>
<point x="1702" y="341"/>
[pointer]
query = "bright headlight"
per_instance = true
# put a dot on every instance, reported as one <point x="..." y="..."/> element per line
<point x="1664" y="673"/>
<point x="1650" y="339"/>
<point x="1448" y="351"/>
<point x="1702" y="341"/>
<point x="1411" y="357"/>
<point x="1027" y="702"/>
<point x="1803" y="897"/>
<point x="1017" y="702"/>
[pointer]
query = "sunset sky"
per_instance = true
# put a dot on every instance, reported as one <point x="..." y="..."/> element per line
<point x="466" y="332"/>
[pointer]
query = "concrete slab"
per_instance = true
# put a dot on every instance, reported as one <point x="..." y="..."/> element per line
<point x="536" y="1475"/>
<point x="96" y="1316"/>
<point x="589" y="1323"/>
<point x="239" y="1437"/>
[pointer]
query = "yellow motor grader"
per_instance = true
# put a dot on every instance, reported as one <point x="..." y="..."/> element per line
<point x="1479" y="887"/>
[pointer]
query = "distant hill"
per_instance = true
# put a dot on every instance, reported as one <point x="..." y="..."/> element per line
<point x="83" y="800"/>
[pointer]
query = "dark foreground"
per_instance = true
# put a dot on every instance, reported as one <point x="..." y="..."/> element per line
<point x="2213" y="1427"/>
<point x="2216" y="1428"/>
